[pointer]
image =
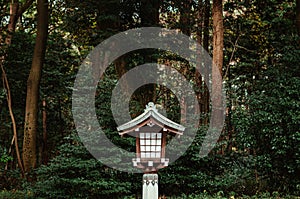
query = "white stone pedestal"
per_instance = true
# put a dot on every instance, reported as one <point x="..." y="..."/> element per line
<point x="150" y="186"/>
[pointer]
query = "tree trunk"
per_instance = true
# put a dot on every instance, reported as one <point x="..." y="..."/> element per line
<point x="204" y="89"/>
<point x="198" y="76"/>
<point x="206" y="25"/>
<point x="149" y="14"/>
<point x="31" y="111"/>
<point x="218" y="37"/>
<point x="14" y="7"/>
<point x="218" y="34"/>
<point x="185" y="24"/>
<point x="45" y="135"/>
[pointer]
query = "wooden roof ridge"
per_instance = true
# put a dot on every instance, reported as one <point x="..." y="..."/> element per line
<point x="150" y="112"/>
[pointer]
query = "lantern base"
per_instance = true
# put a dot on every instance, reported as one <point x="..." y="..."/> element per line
<point x="150" y="165"/>
<point x="150" y="186"/>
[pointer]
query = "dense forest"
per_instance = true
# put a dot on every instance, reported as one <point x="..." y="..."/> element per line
<point x="253" y="44"/>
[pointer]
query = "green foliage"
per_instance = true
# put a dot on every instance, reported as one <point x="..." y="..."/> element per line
<point x="264" y="89"/>
<point x="15" y="194"/>
<point x="220" y="195"/>
<point x="75" y="174"/>
<point x="4" y="158"/>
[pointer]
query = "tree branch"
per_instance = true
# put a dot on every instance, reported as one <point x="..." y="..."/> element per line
<point x="25" y="6"/>
<point x="232" y="55"/>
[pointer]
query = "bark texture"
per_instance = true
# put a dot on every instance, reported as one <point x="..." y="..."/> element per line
<point x="218" y="34"/>
<point x="218" y="39"/>
<point x="32" y="98"/>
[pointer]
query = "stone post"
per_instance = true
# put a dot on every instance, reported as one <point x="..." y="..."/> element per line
<point x="150" y="186"/>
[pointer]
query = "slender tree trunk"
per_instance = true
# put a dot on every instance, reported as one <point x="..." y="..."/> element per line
<point x="200" y="18"/>
<point x="185" y="24"/>
<point x="218" y="39"/>
<point x="204" y="89"/>
<point x="14" y="15"/>
<point x="14" y="7"/>
<point x="45" y="135"/>
<point x="198" y="76"/>
<point x="206" y="25"/>
<point x="218" y="34"/>
<point x="14" y="125"/>
<point x="298" y="16"/>
<point x="31" y="111"/>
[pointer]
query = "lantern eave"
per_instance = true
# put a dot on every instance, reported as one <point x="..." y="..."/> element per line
<point x="151" y="115"/>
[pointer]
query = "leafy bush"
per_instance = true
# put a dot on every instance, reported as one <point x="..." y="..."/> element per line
<point x="74" y="173"/>
<point x="15" y="194"/>
<point x="4" y="157"/>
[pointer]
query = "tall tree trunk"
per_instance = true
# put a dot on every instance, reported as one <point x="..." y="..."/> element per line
<point x="31" y="111"/>
<point x="218" y="39"/>
<point x="298" y="16"/>
<point x="149" y="17"/>
<point x="205" y="46"/>
<point x="198" y="76"/>
<point x="185" y="27"/>
<point x="218" y="34"/>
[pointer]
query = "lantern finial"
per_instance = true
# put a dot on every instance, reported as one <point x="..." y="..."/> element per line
<point x="150" y="105"/>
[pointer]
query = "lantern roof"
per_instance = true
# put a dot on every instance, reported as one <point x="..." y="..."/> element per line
<point x="151" y="117"/>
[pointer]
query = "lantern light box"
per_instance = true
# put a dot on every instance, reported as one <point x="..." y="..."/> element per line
<point x="151" y="129"/>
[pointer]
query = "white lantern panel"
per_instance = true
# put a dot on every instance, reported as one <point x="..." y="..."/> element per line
<point x="153" y="142"/>
<point x="158" y="142"/>
<point x="158" y="148"/>
<point x="142" y="142"/>
<point x="159" y="135"/>
<point x="143" y="148"/>
<point x="148" y="142"/>
<point x="143" y="155"/>
<point x="157" y="155"/>
<point x="152" y="155"/>
<point x="148" y="148"/>
<point x="152" y="148"/>
<point x="142" y="135"/>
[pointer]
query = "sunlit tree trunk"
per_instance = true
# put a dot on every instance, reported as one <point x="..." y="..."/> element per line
<point x="31" y="111"/>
